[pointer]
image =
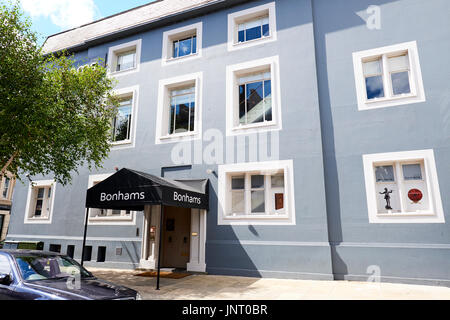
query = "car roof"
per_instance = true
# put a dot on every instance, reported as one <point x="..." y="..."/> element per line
<point x="18" y="252"/>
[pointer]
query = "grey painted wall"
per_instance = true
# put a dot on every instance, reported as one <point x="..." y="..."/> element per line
<point x="348" y="134"/>
<point x="319" y="105"/>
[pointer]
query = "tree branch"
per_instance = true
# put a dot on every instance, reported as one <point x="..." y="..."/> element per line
<point x="5" y="167"/>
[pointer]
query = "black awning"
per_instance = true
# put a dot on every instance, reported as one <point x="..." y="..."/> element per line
<point x="131" y="190"/>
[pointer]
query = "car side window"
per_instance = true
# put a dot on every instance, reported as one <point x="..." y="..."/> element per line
<point x="5" y="267"/>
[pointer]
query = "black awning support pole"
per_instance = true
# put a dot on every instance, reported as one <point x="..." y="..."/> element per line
<point x="160" y="245"/>
<point x="84" y="235"/>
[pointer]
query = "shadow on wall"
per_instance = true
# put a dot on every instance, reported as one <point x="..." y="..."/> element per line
<point x="133" y="252"/>
<point x="224" y="253"/>
<point x="345" y="15"/>
<point x="225" y="256"/>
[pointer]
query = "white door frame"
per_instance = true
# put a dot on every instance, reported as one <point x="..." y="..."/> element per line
<point x="149" y="249"/>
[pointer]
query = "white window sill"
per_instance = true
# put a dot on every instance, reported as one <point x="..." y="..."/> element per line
<point x="257" y="217"/>
<point x="178" y="137"/>
<point x="38" y="219"/>
<point x="251" y="43"/>
<point x="120" y="143"/>
<point x="122" y="72"/>
<point x="266" y="124"/>
<point x="393" y="98"/>
<point x="406" y="214"/>
<point x="110" y="218"/>
<point x="34" y="220"/>
<point x="179" y="59"/>
<point x="236" y="44"/>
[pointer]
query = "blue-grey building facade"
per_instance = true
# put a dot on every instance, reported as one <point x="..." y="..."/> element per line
<point x="358" y="102"/>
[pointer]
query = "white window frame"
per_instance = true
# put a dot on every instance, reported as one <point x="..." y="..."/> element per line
<point x="165" y="86"/>
<point x="115" y="51"/>
<point x="434" y="215"/>
<point x="265" y="168"/>
<point x="132" y="92"/>
<point x="389" y="100"/>
<point x="32" y="188"/>
<point x="10" y="187"/>
<point x="177" y="34"/>
<point x="232" y="96"/>
<point x="235" y="18"/>
<point x="109" y="220"/>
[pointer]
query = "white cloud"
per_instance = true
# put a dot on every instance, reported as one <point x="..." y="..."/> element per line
<point x="63" y="13"/>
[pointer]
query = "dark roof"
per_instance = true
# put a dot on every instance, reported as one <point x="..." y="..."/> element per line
<point x="126" y="23"/>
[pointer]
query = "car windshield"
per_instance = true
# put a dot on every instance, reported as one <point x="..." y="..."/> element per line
<point x="35" y="268"/>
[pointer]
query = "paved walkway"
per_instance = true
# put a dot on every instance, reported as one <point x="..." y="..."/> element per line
<point x="209" y="287"/>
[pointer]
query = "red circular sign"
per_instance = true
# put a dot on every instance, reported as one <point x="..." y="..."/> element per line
<point x="415" y="195"/>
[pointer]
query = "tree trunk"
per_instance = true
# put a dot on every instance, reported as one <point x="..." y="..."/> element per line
<point x="5" y="167"/>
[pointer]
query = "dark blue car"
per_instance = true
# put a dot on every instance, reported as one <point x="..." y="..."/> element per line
<point x="38" y="275"/>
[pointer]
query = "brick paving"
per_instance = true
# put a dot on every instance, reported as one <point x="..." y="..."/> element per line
<point x="210" y="287"/>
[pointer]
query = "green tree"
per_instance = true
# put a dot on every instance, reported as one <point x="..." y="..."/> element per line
<point x="54" y="117"/>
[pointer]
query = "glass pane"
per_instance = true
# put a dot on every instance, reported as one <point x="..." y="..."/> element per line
<point x="237" y="202"/>
<point x="242" y="110"/>
<point x="268" y="100"/>
<point x="255" y="102"/>
<point x="6" y="187"/>
<point x="182" y="110"/>
<point x="184" y="91"/>
<point x="255" y="77"/>
<point x="258" y="202"/>
<point x="265" y="27"/>
<point x="400" y="63"/>
<point x="253" y="32"/>
<point x="122" y="121"/>
<point x="182" y="118"/>
<point x="400" y="83"/>
<point x="384" y="173"/>
<point x="49" y="192"/>
<point x="38" y="210"/>
<point x="126" y="61"/>
<point x="258" y="181"/>
<point x="278" y="181"/>
<point x="185" y="47"/>
<point x="253" y="24"/>
<point x="172" y="119"/>
<point x="194" y="44"/>
<point x="115" y="212"/>
<point x="412" y="172"/>
<point x="372" y="68"/>
<point x="241" y="36"/>
<point x="374" y="87"/>
<point x="238" y="183"/>
<point x="192" y="118"/>
<point x="40" y="193"/>
<point x="175" y="49"/>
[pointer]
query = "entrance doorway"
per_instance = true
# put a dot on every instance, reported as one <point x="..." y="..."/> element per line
<point x="193" y="226"/>
<point x="176" y="237"/>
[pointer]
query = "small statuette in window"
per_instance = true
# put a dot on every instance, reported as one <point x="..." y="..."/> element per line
<point x="387" y="197"/>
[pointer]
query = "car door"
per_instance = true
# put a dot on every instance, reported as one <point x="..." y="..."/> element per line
<point x="7" y="292"/>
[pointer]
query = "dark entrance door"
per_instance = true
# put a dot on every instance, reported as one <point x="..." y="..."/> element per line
<point x="176" y="237"/>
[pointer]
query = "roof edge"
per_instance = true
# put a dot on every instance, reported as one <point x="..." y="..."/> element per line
<point x="142" y="27"/>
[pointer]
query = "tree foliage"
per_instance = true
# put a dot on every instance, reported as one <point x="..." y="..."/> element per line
<point x="54" y="117"/>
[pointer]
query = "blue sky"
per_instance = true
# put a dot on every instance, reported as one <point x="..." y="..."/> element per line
<point x="53" y="16"/>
